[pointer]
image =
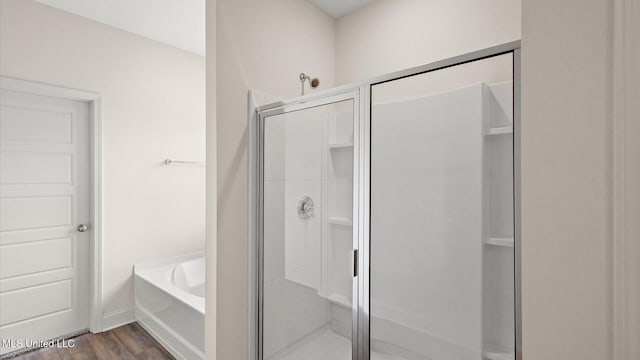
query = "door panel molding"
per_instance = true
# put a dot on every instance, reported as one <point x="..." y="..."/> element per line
<point x="95" y="180"/>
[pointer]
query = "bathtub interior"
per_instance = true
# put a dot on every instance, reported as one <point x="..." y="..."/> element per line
<point x="189" y="276"/>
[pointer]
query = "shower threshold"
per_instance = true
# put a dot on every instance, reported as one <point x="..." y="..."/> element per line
<point x="322" y="345"/>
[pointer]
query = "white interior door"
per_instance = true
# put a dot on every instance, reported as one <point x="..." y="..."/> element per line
<point x="44" y="198"/>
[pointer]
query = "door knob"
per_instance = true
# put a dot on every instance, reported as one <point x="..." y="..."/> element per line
<point x="82" y="228"/>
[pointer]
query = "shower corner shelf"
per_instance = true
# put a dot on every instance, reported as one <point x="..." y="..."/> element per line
<point x="498" y="356"/>
<point x="500" y="130"/>
<point x="340" y="299"/>
<point x="508" y="242"/>
<point x="340" y="221"/>
<point x="343" y="145"/>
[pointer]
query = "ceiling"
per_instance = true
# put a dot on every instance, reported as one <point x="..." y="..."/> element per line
<point x="179" y="23"/>
<point x="339" y="8"/>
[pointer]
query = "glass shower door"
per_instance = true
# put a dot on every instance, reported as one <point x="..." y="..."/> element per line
<point x="307" y="236"/>
<point x="442" y="221"/>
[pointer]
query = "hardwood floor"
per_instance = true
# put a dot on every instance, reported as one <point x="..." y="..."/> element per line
<point x="129" y="342"/>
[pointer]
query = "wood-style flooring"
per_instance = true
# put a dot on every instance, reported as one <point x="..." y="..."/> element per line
<point x="129" y="342"/>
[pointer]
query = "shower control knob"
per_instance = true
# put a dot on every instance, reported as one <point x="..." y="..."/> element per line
<point x="82" y="228"/>
<point x="305" y="208"/>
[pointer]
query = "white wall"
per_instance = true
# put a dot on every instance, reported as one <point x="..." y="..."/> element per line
<point x="566" y="179"/>
<point x="391" y="35"/>
<point x="264" y="46"/>
<point x="154" y="108"/>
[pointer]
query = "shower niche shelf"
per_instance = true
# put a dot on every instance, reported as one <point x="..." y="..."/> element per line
<point x="498" y="356"/>
<point x="337" y="234"/>
<point x="340" y="221"/>
<point x="503" y="130"/>
<point x="340" y="299"/>
<point x="344" y="145"/>
<point x="498" y="241"/>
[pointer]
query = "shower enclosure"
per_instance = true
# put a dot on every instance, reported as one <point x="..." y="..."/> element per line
<point x="385" y="220"/>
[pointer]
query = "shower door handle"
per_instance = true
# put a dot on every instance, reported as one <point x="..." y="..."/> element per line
<point x="355" y="262"/>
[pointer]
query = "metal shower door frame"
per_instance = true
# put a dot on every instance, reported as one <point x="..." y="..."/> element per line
<point x="262" y="113"/>
<point x="361" y="95"/>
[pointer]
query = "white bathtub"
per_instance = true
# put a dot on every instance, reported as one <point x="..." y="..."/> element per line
<point x="170" y="303"/>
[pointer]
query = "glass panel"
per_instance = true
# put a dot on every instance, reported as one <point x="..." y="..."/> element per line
<point x="308" y="236"/>
<point x="442" y="276"/>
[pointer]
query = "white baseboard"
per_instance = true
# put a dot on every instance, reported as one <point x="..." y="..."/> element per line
<point x="118" y="318"/>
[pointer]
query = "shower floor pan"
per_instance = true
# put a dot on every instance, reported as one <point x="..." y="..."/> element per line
<point x="322" y="345"/>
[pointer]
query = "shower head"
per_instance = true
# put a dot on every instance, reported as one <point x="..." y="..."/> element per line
<point x="313" y="82"/>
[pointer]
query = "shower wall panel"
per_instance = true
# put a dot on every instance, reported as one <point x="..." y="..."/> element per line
<point x="442" y="225"/>
<point x="292" y="274"/>
<point x="426" y="224"/>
